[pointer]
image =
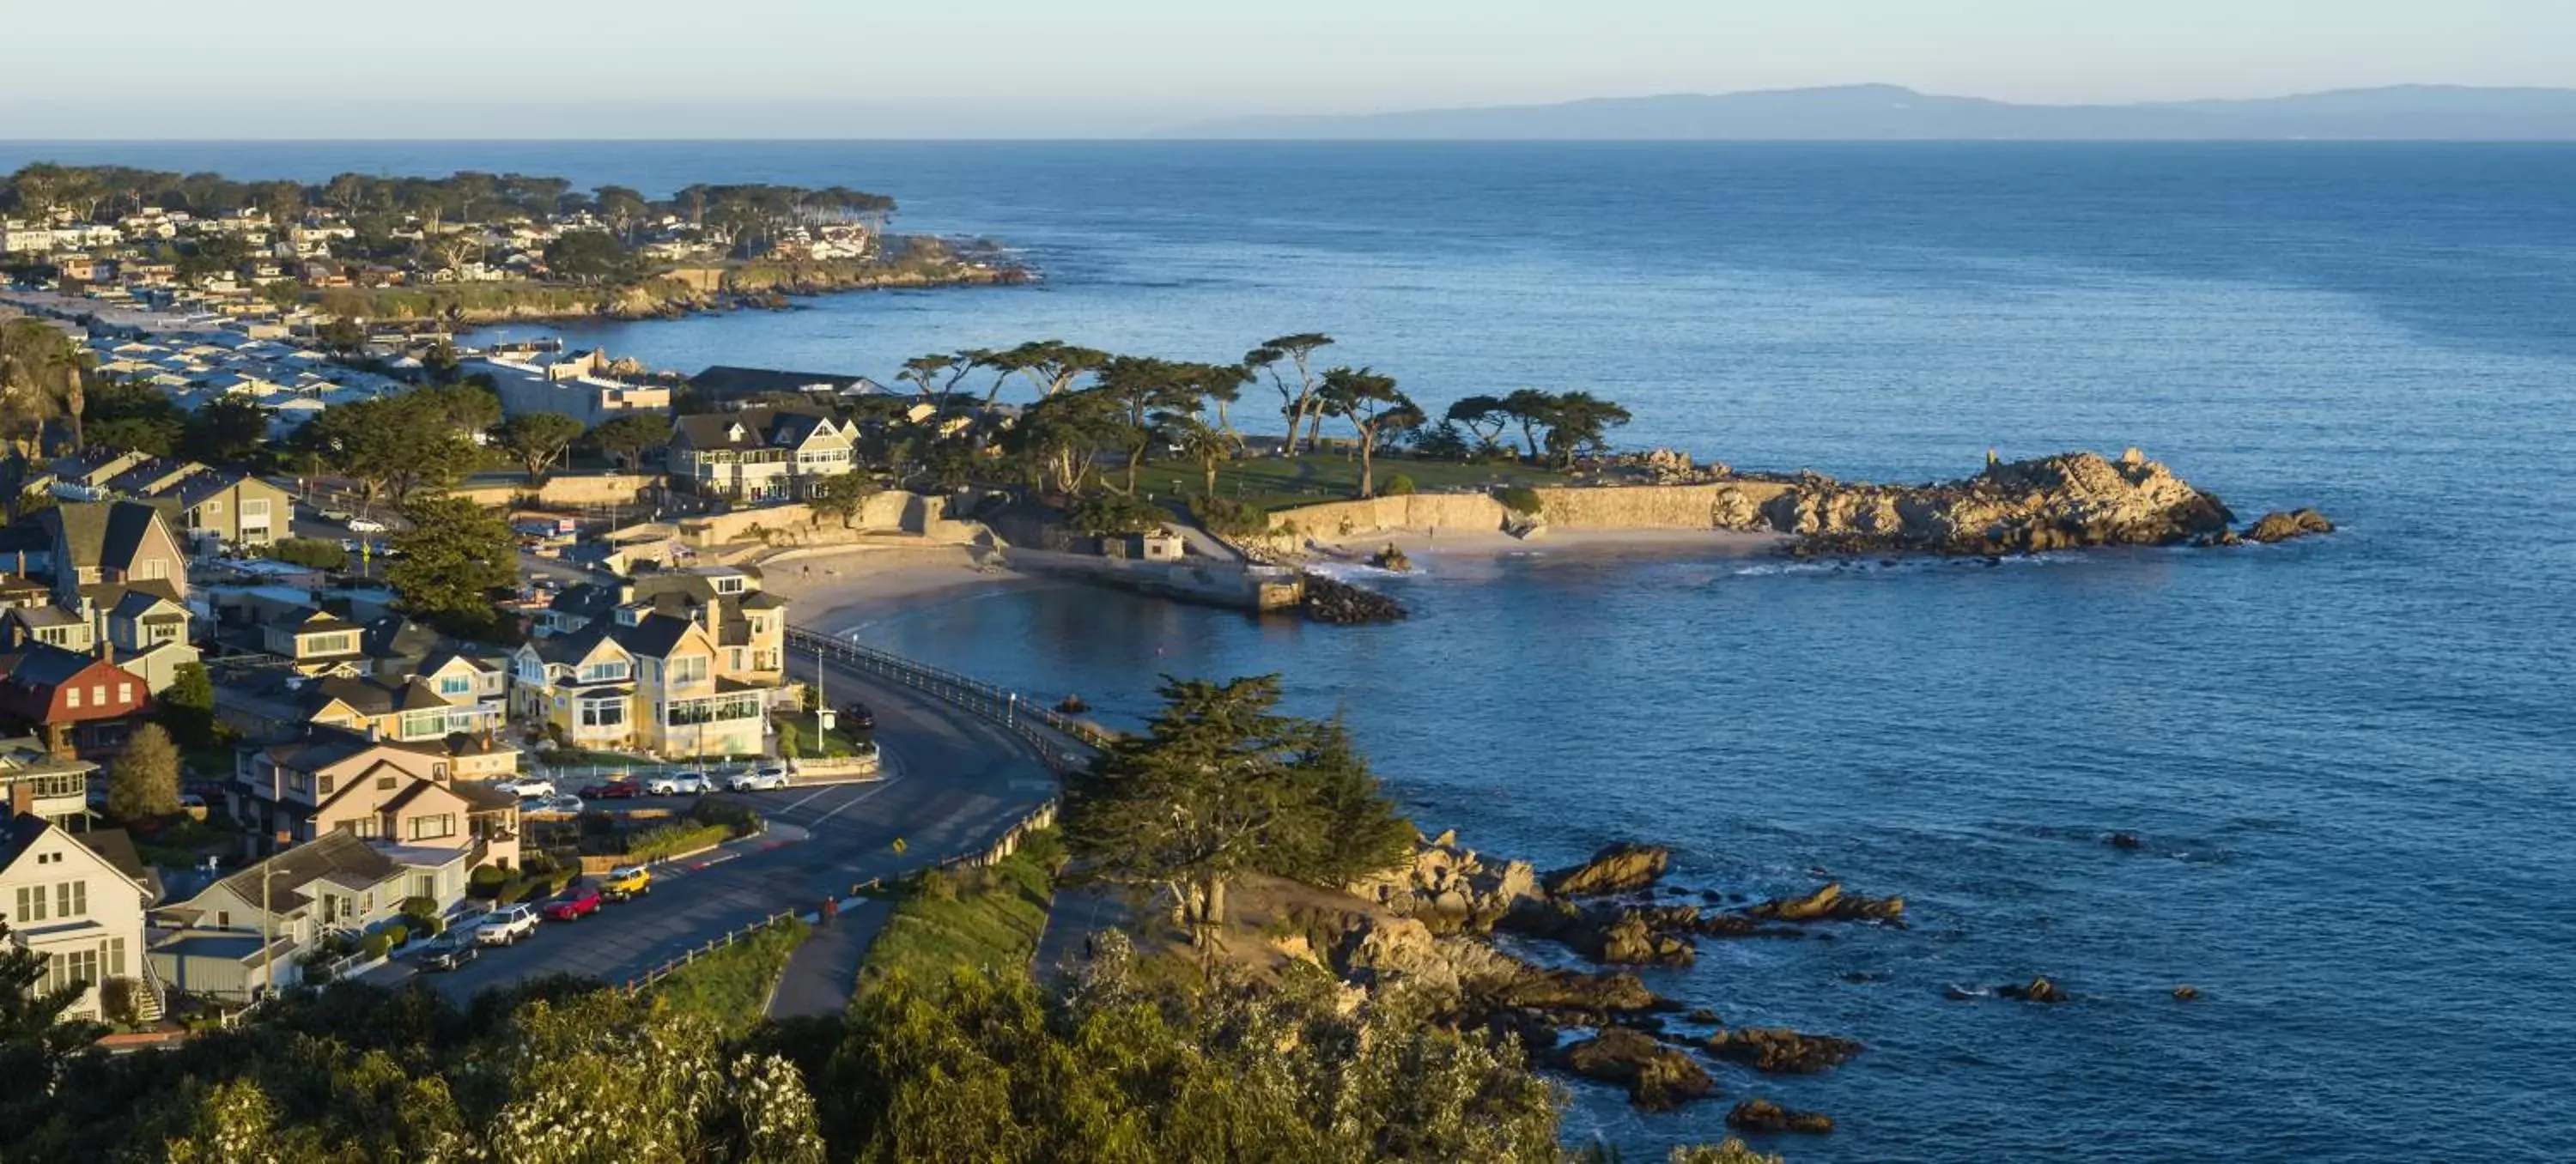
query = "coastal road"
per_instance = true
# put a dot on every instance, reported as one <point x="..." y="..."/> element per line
<point x="955" y="784"/>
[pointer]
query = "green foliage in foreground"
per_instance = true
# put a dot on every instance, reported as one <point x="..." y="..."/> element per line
<point x="311" y="553"/>
<point x="731" y="986"/>
<point x="986" y="919"/>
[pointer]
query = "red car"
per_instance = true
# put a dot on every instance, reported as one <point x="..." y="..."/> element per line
<point x="574" y="905"/>
<point x="613" y="790"/>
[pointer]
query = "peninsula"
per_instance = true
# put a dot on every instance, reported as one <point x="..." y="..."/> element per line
<point x="466" y="249"/>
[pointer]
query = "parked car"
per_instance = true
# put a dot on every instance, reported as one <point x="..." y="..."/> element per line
<point x="676" y="784"/>
<point x="527" y="786"/>
<point x="576" y="903"/>
<point x="756" y="780"/>
<point x="449" y="950"/>
<point x="335" y="516"/>
<point x="571" y="804"/>
<point x="626" y="881"/>
<point x="506" y="925"/>
<point x="612" y="790"/>
<point x="775" y="769"/>
<point x="855" y="717"/>
<point x="365" y="525"/>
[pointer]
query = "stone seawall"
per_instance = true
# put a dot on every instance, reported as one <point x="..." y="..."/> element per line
<point x="1724" y="505"/>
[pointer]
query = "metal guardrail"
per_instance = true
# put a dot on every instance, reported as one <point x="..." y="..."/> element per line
<point x="1046" y="730"/>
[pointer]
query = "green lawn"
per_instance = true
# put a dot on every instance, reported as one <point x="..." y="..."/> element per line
<point x="835" y="744"/>
<point x="732" y="985"/>
<point x="989" y="918"/>
<point x="1283" y="483"/>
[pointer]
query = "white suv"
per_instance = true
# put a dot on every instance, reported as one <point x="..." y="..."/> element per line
<point x="676" y="784"/>
<point x="528" y="787"/>
<point x="760" y="779"/>
<point x="506" y="925"/>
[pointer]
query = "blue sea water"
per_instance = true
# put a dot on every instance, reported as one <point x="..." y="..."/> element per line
<point x="2350" y="759"/>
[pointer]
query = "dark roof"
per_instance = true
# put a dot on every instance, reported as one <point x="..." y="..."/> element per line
<point x="482" y="795"/>
<point x="585" y="600"/>
<point x="118" y="849"/>
<point x="394" y="637"/>
<point x="762" y="427"/>
<point x="99" y="533"/>
<point x="760" y="600"/>
<point x="319" y="745"/>
<point x="43" y="665"/>
<point x="331" y="853"/>
<point x="571" y="648"/>
<point x="110" y="594"/>
<point x="140" y="598"/>
<point x="17" y="834"/>
<point x="725" y="380"/>
<point x="655" y="636"/>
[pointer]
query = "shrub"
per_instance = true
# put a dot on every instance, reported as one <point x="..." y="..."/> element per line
<point x="485" y="881"/>
<point x="119" y="999"/>
<point x="395" y="934"/>
<point x="1226" y="517"/>
<point x="672" y="840"/>
<point x="1399" y="486"/>
<point x="1520" y="499"/>
<point x="375" y="946"/>
<point x="311" y="553"/>
<point x="1109" y="515"/>
<point x="737" y="818"/>
<point x="424" y="908"/>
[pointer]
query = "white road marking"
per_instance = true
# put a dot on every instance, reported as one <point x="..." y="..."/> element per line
<point x="809" y="796"/>
<point x="888" y="783"/>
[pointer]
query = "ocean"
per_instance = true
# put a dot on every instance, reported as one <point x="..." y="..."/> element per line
<point x="2349" y="759"/>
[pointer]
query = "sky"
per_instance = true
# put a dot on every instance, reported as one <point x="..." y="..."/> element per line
<point x="1109" y="68"/>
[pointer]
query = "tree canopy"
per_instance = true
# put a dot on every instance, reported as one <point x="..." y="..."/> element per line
<point x="451" y="561"/>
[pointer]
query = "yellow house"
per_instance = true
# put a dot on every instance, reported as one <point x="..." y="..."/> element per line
<point x="646" y="681"/>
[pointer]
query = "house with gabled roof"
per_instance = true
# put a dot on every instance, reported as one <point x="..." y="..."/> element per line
<point x="118" y="543"/>
<point x="324" y="779"/>
<point x="258" y="920"/>
<point x="80" y="705"/>
<point x="79" y="900"/>
<point x="759" y="454"/>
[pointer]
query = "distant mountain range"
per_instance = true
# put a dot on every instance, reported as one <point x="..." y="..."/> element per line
<point x="1895" y="113"/>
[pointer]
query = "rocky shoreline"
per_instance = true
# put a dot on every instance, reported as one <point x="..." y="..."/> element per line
<point x="1431" y="929"/>
<point x="684" y="292"/>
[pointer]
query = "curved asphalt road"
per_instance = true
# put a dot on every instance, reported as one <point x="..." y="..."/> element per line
<point x="954" y="784"/>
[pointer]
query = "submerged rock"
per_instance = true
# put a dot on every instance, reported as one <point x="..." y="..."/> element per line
<point x="1830" y="904"/>
<point x="1782" y="1051"/>
<point x="2039" y="990"/>
<point x="2186" y="992"/>
<point x="2281" y="526"/>
<point x="1763" y="1117"/>
<point x="2125" y="841"/>
<point x="1619" y="868"/>
<point x="1657" y="1077"/>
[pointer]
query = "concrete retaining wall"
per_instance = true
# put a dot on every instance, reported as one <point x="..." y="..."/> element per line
<point x="1723" y="505"/>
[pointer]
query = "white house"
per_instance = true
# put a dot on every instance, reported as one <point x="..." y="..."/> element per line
<point x="78" y="899"/>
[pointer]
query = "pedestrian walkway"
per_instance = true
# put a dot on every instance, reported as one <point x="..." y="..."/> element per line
<point x="823" y="972"/>
<point x="1071" y="921"/>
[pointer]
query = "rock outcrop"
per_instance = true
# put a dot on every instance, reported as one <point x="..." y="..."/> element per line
<point x="1658" y="1077"/>
<point x="1629" y="941"/>
<point x="1335" y="601"/>
<point x="1449" y="888"/>
<point x="1830" y="904"/>
<point x="1762" y="1117"/>
<point x="1624" y="867"/>
<point x="2039" y="990"/>
<point x="2282" y="526"/>
<point x="1781" y="1051"/>
<point x="2048" y="503"/>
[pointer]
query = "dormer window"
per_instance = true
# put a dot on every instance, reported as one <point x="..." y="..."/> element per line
<point x="734" y="433"/>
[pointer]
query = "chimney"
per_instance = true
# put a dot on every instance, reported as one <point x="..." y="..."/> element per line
<point x="107" y="649"/>
<point x="22" y="799"/>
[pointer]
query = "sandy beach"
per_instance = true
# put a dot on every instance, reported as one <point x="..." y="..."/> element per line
<point x="835" y="591"/>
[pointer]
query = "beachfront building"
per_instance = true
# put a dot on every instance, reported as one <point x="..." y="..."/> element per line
<point x="677" y="663"/>
<point x="576" y="384"/>
<point x="760" y="454"/>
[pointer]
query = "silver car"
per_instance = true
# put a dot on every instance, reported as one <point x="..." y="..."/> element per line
<point x="676" y="784"/>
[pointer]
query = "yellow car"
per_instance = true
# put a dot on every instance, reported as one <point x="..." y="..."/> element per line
<point x="631" y="881"/>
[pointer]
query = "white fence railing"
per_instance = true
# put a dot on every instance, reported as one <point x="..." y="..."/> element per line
<point x="1059" y="739"/>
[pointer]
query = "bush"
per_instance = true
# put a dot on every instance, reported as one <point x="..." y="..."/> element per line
<point x="1520" y="499"/>
<point x="738" y="818"/>
<point x="395" y="934"/>
<point x="424" y="908"/>
<point x="486" y="881"/>
<point x="1400" y="485"/>
<point x="375" y="946"/>
<point x="1226" y="517"/>
<point x="672" y="840"/>
<point x="311" y="553"/>
<point x="1110" y="515"/>
<point x="120" y="1000"/>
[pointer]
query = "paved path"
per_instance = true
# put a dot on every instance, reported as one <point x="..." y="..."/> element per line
<point x="825" y="970"/>
<point x="957" y="783"/>
<point x="1075" y="915"/>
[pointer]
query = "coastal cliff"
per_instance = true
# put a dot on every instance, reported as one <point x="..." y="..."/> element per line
<point x="2047" y="503"/>
<point x="677" y="291"/>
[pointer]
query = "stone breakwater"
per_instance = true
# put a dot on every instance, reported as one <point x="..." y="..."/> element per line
<point x="2046" y="503"/>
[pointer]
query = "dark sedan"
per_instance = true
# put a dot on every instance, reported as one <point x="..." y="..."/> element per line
<point x="451" y="950"/>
